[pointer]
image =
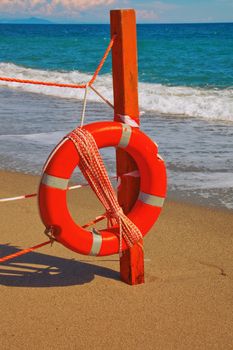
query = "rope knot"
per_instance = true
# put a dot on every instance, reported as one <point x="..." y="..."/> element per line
<point x="114" y="213"/>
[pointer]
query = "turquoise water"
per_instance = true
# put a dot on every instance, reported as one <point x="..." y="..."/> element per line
<point x="185" y="92"/>
<point x="184" y="69"/>
<point x="175" y="54"/>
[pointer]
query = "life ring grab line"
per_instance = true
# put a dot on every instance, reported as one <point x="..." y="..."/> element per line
<point x="54" y="183"/>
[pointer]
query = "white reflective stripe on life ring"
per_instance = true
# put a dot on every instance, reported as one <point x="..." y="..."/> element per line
<point x="150" y="199"/>
<point x="125" y="137"/>
<point x="97" y="243"/>
<point x="55" y="182"/>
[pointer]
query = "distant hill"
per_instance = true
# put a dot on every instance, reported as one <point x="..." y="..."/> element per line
<point x="31" y="20"/>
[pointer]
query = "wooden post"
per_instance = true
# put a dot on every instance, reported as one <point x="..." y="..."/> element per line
<point x="125" y="89"/>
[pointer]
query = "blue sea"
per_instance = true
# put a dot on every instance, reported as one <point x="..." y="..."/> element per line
<point x="185" y="95"/>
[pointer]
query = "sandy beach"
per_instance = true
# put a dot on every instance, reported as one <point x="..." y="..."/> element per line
<point x="57" y="299"/>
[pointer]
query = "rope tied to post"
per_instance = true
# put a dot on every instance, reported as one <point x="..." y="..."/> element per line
<point x="93" y="169"/>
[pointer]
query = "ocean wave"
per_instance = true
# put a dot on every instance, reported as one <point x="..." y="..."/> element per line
<point x="207" y="103"/>
<point x="48" y="138"/>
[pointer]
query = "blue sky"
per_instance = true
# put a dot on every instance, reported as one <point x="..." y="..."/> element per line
<point x="97" y="11"/>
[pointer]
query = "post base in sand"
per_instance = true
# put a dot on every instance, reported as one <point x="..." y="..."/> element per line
<point x="132" y="265"/>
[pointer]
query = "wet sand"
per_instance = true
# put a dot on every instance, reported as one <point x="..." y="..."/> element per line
<point x="57" y="299"/>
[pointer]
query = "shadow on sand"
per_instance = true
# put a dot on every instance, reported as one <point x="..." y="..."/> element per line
<point x="41" y="270"/>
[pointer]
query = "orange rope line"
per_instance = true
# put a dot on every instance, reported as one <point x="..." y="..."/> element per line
<point x="28" y="250"/>
<point x="103" y="60"/>
<point x="97" y="219"/>
<point x="36" y="82"/>
<point x="73" y="86"/>
<point x="24" y="251"/>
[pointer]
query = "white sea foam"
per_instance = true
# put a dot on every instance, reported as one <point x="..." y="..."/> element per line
<point x="201" y="180"/>
<point x="48" y="138"/>
<point x="208" y="103"/>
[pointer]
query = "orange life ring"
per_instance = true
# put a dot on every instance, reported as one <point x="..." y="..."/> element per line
<point x="59" y="168"/>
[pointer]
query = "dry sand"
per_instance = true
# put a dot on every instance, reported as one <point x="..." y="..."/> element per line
<point x="57" y="299"/>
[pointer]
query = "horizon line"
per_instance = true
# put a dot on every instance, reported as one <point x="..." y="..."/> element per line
<point x="107" y="23"/>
